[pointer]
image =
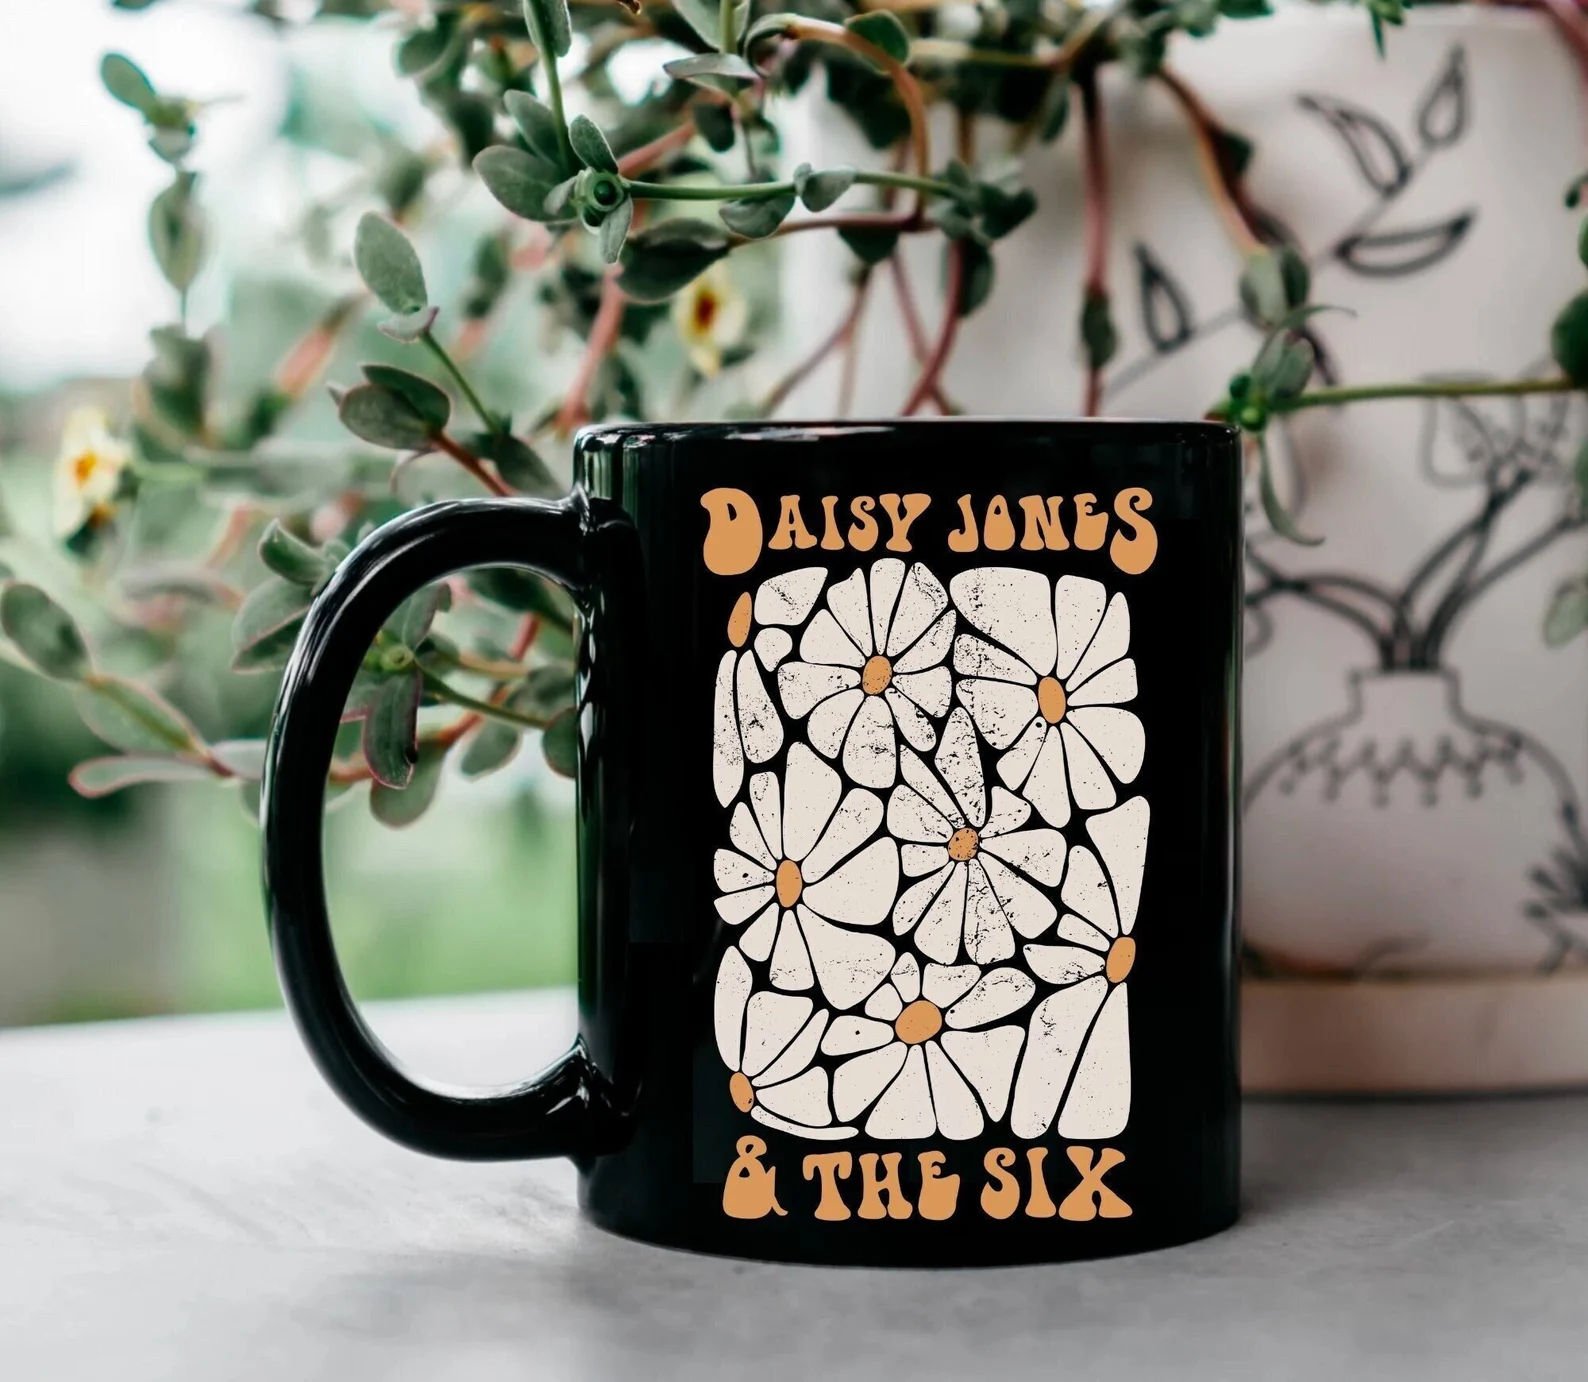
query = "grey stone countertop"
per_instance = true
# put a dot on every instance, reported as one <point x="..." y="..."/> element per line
<point x="183" y="1199"/>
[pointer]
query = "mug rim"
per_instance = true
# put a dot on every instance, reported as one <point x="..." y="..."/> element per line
<point x="807" y="429"/>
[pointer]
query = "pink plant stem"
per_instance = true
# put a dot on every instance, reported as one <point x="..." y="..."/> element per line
<point x="926" y="385"/>
<point x="1095" y="181"/>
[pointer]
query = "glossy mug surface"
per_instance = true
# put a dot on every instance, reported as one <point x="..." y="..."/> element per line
<point x="906" y="797"/>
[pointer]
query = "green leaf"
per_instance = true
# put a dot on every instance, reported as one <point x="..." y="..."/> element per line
<point x="244" y="757"/>
<point x="99" y="777"/>
<point x="882" y="28"/>
<point x="125" y="80"/>
<point x="493" y="745"/>
<point x="1054" y="113"/>
<point x="1003" y="211"/>
<point x="383" y="418"/>
<point x="715" y="124"/>
<point x="43" y="632"/>
<point x="976" y="280"/>
<point x="519" y="181"/>
<point x="133" y="718"/>
<point x="387" y="263"/>
<point x="397" y="807"/>
<point x="1274" y="283"/>
<point x="290" y="557"/>
<point x="549" y="26"/>
<point x="1283" y="367"/>
<point x="538" y="125"/>
<point x="591" y="145"/>
<point x="272" y="607"/>
<point x="521" y="591"/>
<point x="516" y="462"/>
<point x="545" y="692"/>
<point x="702" y="17"/>
<point x="176" y="233"/>
<point x="411" y="622"/>
<point x="426" y="399"/>
<point x="659" y="261"/>
<point x="559" y="742"/>
<point x="725" y="72"/>
<point x="768" y="26"/>
<point x="818" y="191"/>
<point x="615" y="230"/>
<point x="410" y="327"/>
<point x="1568" y="340"/>
<point x="871" y="245"/>
<point x="1567" y="615"/>
<point x="1099" y="339"/>
<point x="423" y="50"/>
<point x="391" y="726"/>
<point x="270" y="653"/>
<point x="1278" y="516"/>
<point x="756" y="217"/>
<point x="1582" y="241"/>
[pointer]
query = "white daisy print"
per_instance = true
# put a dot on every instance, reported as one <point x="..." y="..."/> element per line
<point x="973" y="853"/>
<point x="871" y="668"/>
<point x="926" y="1042"/>
<point x="768" y="1041"/>
<point x="1077" y="1058"/>
<point x="800" y="863"/>
<point x="1047" y="691"/>
<point x="745" y="721"/>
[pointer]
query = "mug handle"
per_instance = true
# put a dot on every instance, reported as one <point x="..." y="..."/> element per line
<point x="567" y="1109"/>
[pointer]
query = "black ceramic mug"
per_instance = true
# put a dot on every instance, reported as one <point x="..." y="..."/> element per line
<point x="906" y="796"/>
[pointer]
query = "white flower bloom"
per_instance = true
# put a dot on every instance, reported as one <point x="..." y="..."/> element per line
<point x="1077" y="1060"/>
<point x="798" y="867"/>
<point x="973" y="856"/>
<point x="924" y="1044"/>
<point x="745" y="721"/>
<point x="1047" y="694"/>
<point x="88" y="471"/>
<point x="768" y="1040"/>
<point x="710" y="316"/>
<point x="871" y="664"/>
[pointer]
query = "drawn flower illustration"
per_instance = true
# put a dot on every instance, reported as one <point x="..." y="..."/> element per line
<point x="870" y="668"/>
<point x="973" y="855"/>
<point x="800" y="863"/>
<point x="925" y="1044"/>
<point x="768" y="1040"/>
<point x="1047" y="693"/>
<point x="745" y="722"/>
<point x="1077" y="1056"/>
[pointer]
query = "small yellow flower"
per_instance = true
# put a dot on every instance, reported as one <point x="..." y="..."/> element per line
<point x="88" y="472"/>
<point x="710" y="315"/>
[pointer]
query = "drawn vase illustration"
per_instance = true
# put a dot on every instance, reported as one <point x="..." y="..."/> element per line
<point x="1415" y="753"/>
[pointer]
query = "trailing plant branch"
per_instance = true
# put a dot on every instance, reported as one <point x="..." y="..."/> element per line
<point x="471" y="463"/>
<point x="488" y="420"/>
<point x="1224" y="184"/>
<point x="1366" y="393"/>
<point x="953" y="288"/>
<point x="839" y="337"/>
<point x="1098" y="338"/>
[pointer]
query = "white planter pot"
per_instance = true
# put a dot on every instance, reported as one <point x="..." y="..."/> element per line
<point x="1415" y="763"/>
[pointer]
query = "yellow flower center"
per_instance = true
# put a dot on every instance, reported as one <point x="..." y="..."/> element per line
<point x="1121" y="956"/>
<point x="1051" y="700"/>
<point x="918" y="1022"/>
<point x="875" y="675"/>
<point x="789" y="883"/>
<point x="84" y="464"/>
<point x="739" y="621"/>
<point x="740" y="1091"/>
<point x="962" y="844"/>
<point x="706" y="305"/>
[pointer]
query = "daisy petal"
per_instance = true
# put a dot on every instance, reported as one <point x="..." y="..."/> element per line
<point x="1089" y="780"/>
<point x="727" y="753"/>
<point x="1015" y="766"/>
<point x="937" y="937"/>
<point x="958" y="1114"/>
<point x="919" y="859"/>
<point x="1048" y="787"/>
<point x="870" y="750"/>
<point x="1063" y="964"/>
<point x="988" y="938"/>
<point x="826" y="642"/>
<point x="746" y="836"/>
<point x="915" y="899"/>
<point x="912" y="817"/>
<point x="1098" y="1104"/>
<point x="911" y="719"/>
<point x="1038" y="853"/>
<point x="727" y="1012"/>
<point x="798" y="1054"/>
<point x="736" y="908"/>
<point x="1001" y="710"/>
<point x="931" y="689"/>
<point x="1111" y="642"/>
<point x="1121" y="838"/>
<point x="810" y="793"/>
<point x="906" y="977"/>
<point x="858" y="1081"/>
<point x="849" y="964"/>
<point x="997" y="993"/>
<point x="849" y="1035"/>
<point x="884" y="1005"/>
<point x="1072" y="928"/>
<point x="945" y="984"/>
<point x="905" y="1108"/>
<point x="1028" y="911"/>
<point x="1077" y="611"/>
<point x="791" y="962"/>
<point x="987" y="1060"/>
<point x="803" y="684"/>
<point x="771" y="1120"/>
<point x="887" y="577"/>
<point x="756" y="942"/>
<point x="1112" y="686"/>
<point x="800" y="1101"/>
<point x="855" y="822"/>
<point x="1116" y="735"/>
<point x="789" y="598"/>
<point x="772" y="646"/>
<point x="850" y="609"/>
<point x="1010" y="605"/>
<point x="920" y="777"/>
<point x="975" y="658"/>
<point x="759" y="723"/>
<point x="829" y="722"/>
<point x="860" y="891"/>
<point x="767" y="802"/>
<point x="920" y="602"/>
<point x="733" y="871"/>
<point x="771" y="1021"/>
<point x="930" y="649"/>
<point x="1059" y="1025"/>
<point x="1086" y="890"/>
<point x="959" y="761"/>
